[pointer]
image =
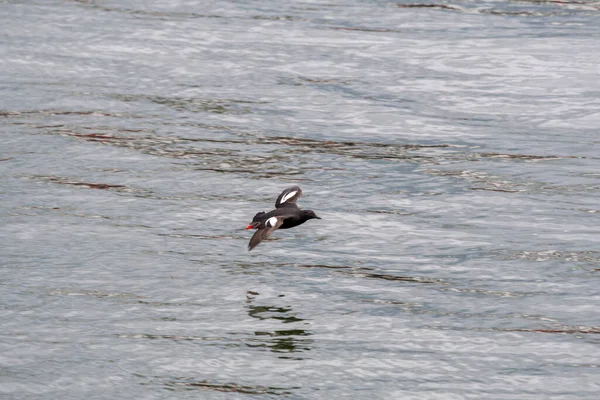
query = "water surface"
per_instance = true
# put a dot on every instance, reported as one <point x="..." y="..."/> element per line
<point x="451" y="149"/>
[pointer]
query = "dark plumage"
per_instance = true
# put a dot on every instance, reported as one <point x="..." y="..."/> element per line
<point x="285" y="215"/>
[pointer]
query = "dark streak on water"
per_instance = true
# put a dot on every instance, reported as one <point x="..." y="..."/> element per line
<point x="451" y="148"/>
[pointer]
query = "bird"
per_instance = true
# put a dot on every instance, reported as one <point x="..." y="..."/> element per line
<point x="285" y="215"/>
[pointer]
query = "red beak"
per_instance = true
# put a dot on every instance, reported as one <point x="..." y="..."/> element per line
<point x="249" y="227"/>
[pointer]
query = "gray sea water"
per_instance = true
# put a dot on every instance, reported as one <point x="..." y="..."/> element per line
<point x="451" y="148"/>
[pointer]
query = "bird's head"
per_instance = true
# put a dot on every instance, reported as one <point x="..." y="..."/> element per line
<point x="310" y="214"/>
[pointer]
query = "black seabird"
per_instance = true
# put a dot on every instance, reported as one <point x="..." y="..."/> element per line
<point x="285" y="215"/>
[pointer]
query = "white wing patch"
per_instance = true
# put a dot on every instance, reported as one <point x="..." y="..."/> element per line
<point x="288" y="196"/>
<point x="271" y="222"/>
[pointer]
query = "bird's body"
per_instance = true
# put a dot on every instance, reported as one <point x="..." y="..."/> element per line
<point x="285" y="215"/>
<point x="293" y="217"/>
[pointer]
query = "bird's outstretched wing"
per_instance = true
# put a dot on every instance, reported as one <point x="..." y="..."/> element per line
<point x="265" y="230"/>
<point x="288" y="197"/>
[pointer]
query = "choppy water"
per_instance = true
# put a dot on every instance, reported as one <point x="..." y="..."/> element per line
<point x="452" y="150"/>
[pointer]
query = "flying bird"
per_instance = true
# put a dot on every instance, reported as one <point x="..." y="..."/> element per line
<point x="285" y="215"/>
